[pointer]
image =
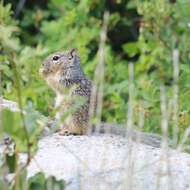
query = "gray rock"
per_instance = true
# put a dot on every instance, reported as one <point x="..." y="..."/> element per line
<point x="7" y="104"/>
<point x="110" y="162"/>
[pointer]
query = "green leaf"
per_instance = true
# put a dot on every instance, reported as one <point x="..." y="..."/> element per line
<point x="131" y="49"/>
<point x="37" y="182"/>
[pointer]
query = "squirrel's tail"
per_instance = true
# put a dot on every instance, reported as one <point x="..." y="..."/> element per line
<point x="151" y="139"/>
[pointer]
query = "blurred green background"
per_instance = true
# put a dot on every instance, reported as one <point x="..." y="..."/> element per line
<point x="144" y="32"/>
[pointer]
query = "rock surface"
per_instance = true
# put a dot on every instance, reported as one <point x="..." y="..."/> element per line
<point x="110" y="162"/>
<point x="7" y="104"/>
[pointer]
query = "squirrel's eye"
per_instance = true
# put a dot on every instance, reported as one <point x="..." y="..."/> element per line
<point x="55" y="58"/>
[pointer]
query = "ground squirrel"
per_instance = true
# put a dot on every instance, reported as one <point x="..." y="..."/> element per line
<point x="63" y="73"/>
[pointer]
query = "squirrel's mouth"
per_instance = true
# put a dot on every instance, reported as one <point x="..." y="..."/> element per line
<point x="43" y="71"/>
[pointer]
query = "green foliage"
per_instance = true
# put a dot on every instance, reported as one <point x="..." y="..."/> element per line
<point x="164" y="28"/>
<point x="39" y="182"/>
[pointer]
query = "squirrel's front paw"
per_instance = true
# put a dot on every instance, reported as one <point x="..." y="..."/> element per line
<point x="66" y="132"/>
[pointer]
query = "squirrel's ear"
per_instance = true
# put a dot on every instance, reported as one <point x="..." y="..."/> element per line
<point x="72" y="53"/>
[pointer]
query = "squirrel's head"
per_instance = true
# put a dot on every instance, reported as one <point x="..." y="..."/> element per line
<point x="66" y="63"/>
